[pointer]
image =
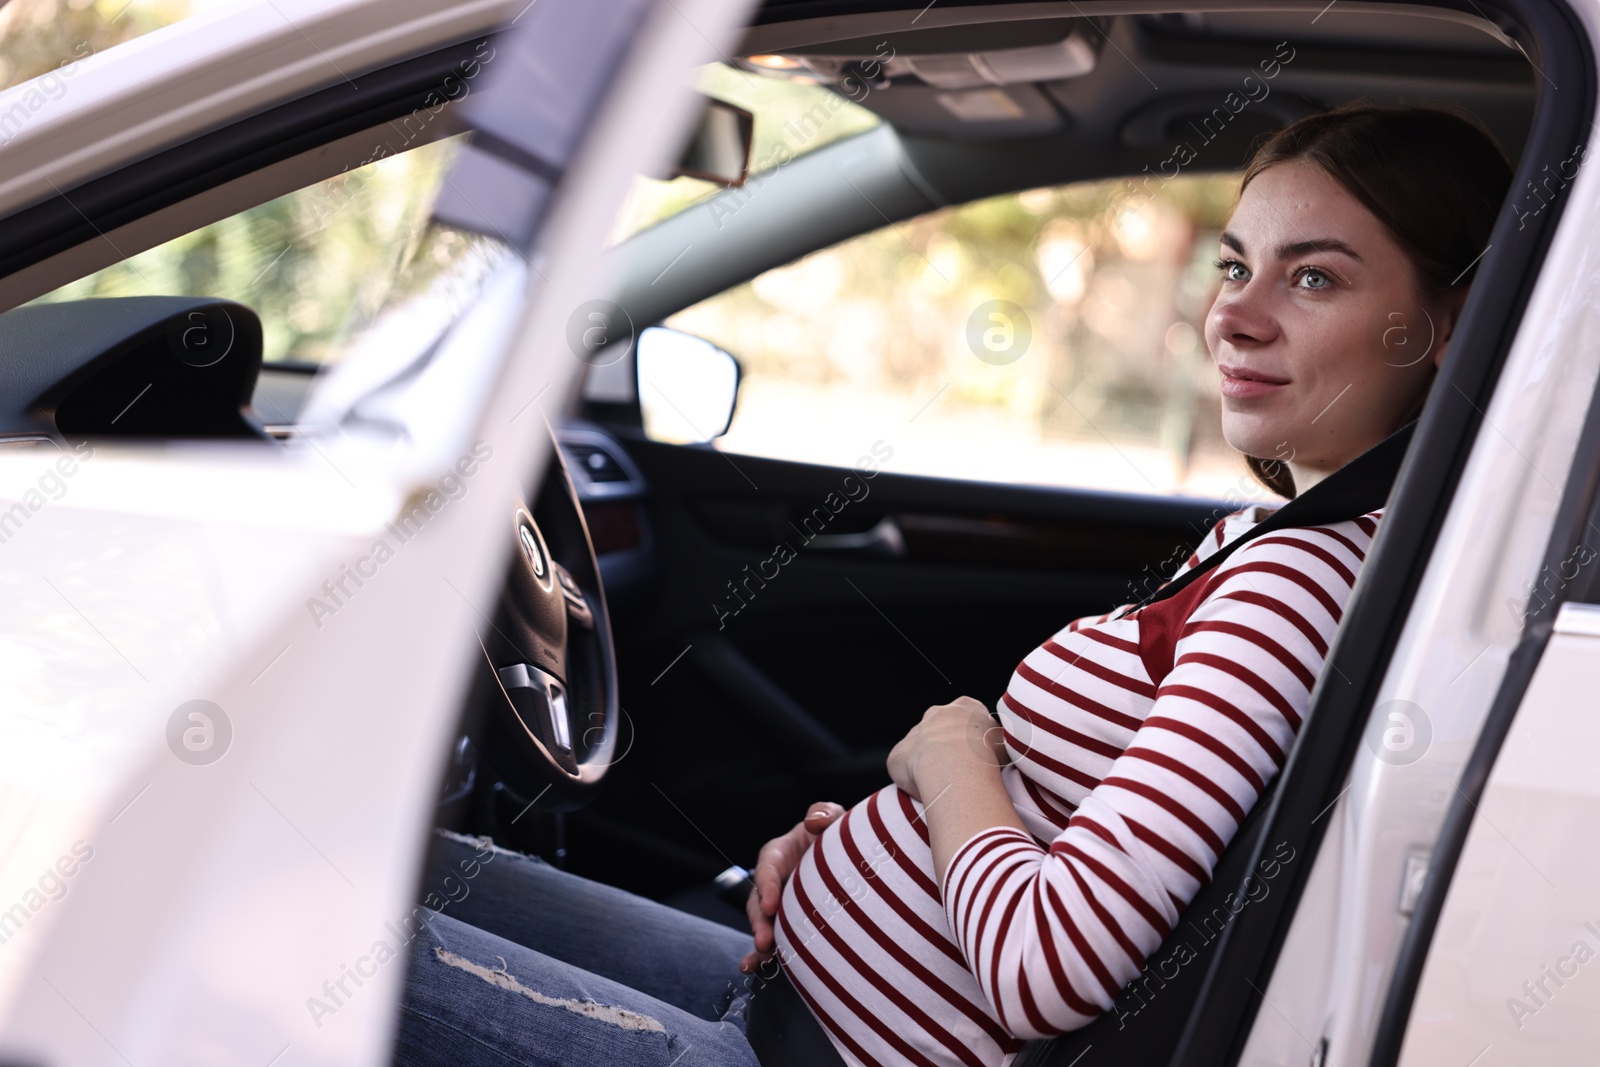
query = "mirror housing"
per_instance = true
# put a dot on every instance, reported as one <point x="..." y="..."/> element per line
<point x="688" y="387"/>
<point x="719" y="149"/>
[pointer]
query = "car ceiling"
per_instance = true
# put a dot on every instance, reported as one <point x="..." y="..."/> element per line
<point x="1153" y="74"/>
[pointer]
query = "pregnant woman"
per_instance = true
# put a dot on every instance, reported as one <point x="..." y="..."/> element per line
<point x="1022" y="866"/>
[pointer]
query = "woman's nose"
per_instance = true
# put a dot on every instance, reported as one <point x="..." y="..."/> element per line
<point x="1240" y="319"/>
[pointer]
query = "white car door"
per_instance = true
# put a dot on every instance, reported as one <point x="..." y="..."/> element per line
<point x="212" y="800"/>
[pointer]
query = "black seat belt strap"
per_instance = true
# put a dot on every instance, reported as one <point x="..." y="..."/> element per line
<point x="1358" y="487"/>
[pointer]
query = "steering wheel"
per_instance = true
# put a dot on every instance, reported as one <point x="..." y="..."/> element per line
<point x="548" y="675"/>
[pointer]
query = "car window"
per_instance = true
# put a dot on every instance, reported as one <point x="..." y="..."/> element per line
<point x="316" y="265"/>
<point x="1052" y="336"/>
<point x="791" y="119"/>
<point x="40" y="37"/>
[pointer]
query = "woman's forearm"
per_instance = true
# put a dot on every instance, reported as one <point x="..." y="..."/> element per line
<point x="962" y="795"/>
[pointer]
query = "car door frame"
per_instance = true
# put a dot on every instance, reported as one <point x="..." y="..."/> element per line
<point x="162" y="992"/>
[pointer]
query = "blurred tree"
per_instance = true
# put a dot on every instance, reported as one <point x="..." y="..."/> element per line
<point x="38" y="36"/>
<point x="316" y="265"/>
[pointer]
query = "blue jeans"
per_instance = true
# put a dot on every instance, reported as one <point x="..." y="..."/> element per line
<point x="517" y="962"/>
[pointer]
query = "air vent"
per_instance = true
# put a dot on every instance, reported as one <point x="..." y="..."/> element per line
<point x="597" y="464"/>
<point x="600" y="467"/>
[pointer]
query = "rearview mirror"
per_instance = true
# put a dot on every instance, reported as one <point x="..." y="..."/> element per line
<point x="719" y="150"/>
<point x="687" y="386"/>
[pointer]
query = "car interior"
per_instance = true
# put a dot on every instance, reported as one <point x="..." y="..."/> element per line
<point x="659" y="695"/>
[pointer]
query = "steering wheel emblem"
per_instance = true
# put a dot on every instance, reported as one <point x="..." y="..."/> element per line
<point x="530" y="548"/>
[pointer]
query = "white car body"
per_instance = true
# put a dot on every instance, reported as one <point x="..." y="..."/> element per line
<point x="322" y="800"/>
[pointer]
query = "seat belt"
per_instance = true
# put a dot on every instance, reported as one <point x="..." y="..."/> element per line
<point x="782" y="1031"/>
<point x="1358" y="487"/>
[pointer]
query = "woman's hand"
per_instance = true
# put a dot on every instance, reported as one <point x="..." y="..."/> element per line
<point x="775" y="863"/>
<point x="957" y="748"/>
<point x="951" y="739"/>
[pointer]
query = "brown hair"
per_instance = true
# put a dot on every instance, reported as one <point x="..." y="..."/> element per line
<point x="1434" y="177"/>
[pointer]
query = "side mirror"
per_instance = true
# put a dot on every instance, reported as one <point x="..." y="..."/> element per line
<point x="687" y="386"/>
<point x="719" y="150"/>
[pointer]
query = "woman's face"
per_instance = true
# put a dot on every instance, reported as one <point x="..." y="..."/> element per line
<point x="1322" y="341"/>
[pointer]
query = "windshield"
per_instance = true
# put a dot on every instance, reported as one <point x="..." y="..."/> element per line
<point x="792" y="119"/>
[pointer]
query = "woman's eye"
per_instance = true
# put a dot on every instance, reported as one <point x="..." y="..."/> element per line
<point x="1233" y="270"/>
<point x="1314" y="279"/>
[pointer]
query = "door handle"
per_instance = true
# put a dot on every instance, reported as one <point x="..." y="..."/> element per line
<point x="884" y="539"/>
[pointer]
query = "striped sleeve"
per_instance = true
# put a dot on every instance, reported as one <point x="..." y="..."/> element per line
<point x="1052" y="934"/>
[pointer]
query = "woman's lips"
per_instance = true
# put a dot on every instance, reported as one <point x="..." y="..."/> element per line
<point x="1239" y="383"/>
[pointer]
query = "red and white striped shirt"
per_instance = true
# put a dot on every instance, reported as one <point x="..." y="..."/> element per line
<point x="1138" y="741"/>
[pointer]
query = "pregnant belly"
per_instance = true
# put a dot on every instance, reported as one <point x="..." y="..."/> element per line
<point x="863" y="935"/>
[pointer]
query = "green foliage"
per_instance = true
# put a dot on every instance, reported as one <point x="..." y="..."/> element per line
<point x="315" y="265"/>
<point x="38" y="36"/>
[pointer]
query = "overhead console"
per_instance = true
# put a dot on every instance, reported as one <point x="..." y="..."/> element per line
<point x="149" y="367"/>
<point x="979" y="72"/>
